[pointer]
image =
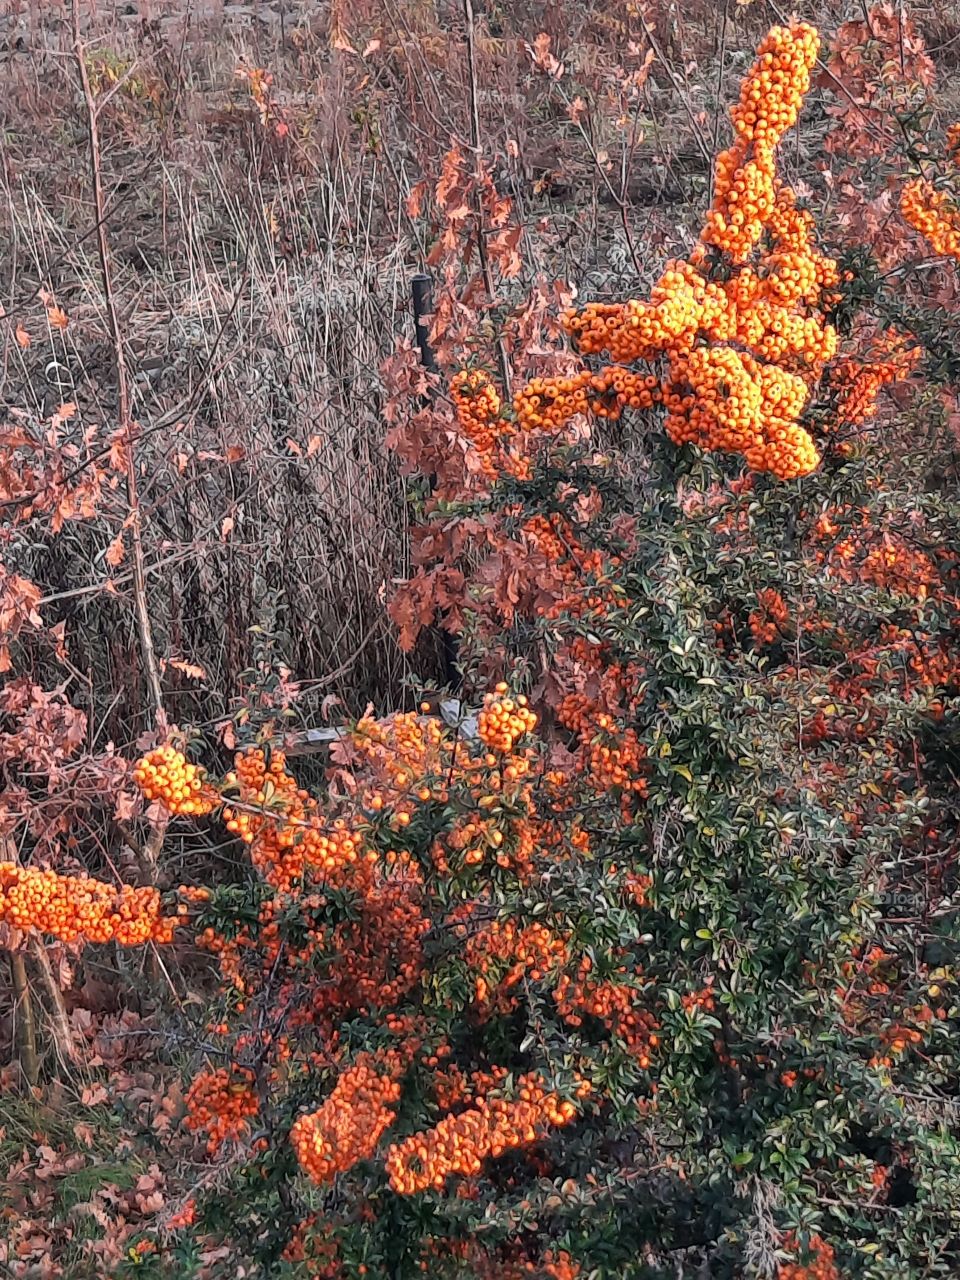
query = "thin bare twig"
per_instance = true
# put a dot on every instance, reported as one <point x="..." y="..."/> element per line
<point x="477" y="198"/>
<point x="678" y="87"/>
<point x="144" y="627"/>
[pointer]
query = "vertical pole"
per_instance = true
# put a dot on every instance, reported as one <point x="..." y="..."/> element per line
<point x="421" y="288"/>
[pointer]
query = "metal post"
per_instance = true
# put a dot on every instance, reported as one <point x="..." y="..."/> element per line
<point x="422" y="289"/>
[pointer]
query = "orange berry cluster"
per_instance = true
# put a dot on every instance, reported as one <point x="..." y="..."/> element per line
<point x="264" y="808"/>
<point x="741" y="351"/>
<point x="890" y="564"/>
<point x="513" y="952"/>
<point x="349" y="1125"/>
<point x="82" y="909"/>
<point x="504" y="720"/>
<point x="856" y="384"/>
<point x="581" y="580"/>
<point x="410" y="760"/>
<point x="556" y="1266"/>
<point x="474" y="393"/>
<point x="228" y="952"/>
<point x="769" y="621"/>
<point x="454" y="1088"/>
<point x="895" y="1040"/>
<point x="379" y="955"/>
<point x="743" y="346"/>
<point x="745" y="174"/>
<point x="371" y="959"/>
<point x="460" y="1144"/>
<point x="577" y="712"/>
<point x="934" y="214"/>
<point x="554" y="538"/>
<point x="281" y="822"/>
<point x="637" y="885"/>
<point x="615" y="758"/>
<point x="477" y="404"/>
<point x="186" y="1216"/>
<point x="615" y="692"/>
<point x="545" y="406"/>
<point x="166" y="775"/>
<point x="897" y="566"/>
<point x="221" y="1102"/>
<point x="614" y="1003"/>
<point x="820" y="1264"/>
<point x="590" y="654"/>
<point x="724" y="400"/>
<point x="934" y="667"/>
<point x="407" y="761"/>
<point x="510" y="840"/>
<point x="702" y="999"/>
<point x="548" y="404"/>
<point x="291" y="835"/>
<point x="879" y="555"/>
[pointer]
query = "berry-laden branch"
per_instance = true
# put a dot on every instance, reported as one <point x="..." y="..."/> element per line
<point x="83" y="909"/>
<point x="410" y="770"/>
<point x="934" y="212"/>
<point x="739" y="325"/>
<point x="461" y="1143"/>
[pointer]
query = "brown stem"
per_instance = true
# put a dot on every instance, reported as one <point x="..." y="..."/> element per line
<point x="144" y="628"/>
<point x="147" y="852"/>
<point x="64" y="1042"/>
<point x="477" y="198"/>
<point x="26" y="1027"/>
<point x="718" y="113"/>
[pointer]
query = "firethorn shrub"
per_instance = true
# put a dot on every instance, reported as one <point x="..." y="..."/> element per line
<point x="646" y="968"/>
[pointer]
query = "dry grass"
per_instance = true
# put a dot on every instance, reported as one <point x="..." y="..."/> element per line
<point x="262" y="281"/>
<point x="258" y="296"/>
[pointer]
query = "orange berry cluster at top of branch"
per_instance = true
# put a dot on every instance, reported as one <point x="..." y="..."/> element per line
<point x="739" y="323"/>
<point x="165" y="775"/>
